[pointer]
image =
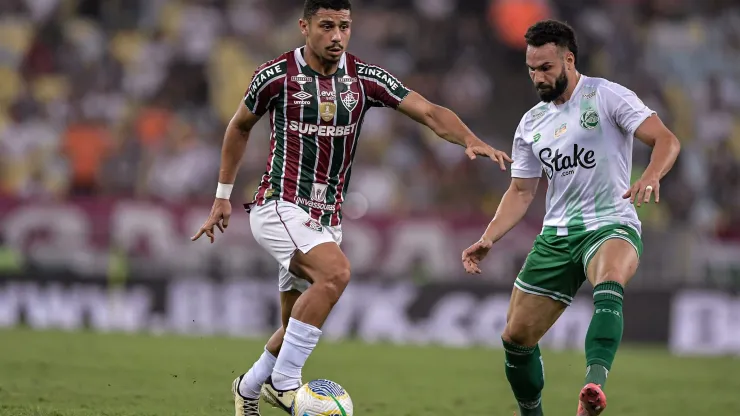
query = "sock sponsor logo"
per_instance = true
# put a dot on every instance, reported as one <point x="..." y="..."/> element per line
<point x="530" y="405"/>
<point x="611" y="311"/>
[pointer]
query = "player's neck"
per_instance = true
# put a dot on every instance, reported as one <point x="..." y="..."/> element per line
<point x="319" y="65"/>
<point x="572" y="84"/>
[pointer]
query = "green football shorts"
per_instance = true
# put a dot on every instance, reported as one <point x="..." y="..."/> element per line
<point x="556" y="266"/>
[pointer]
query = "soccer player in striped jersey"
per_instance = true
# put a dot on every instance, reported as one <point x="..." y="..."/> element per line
<point x="581" y="136"/>
<point x="316" y="97"/>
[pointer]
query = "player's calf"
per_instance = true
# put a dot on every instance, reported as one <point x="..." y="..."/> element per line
<point x="326" y="267"/>
<point x="314" y="305"/>
<point x="529" y="318"/>
<point x="611" y="268"/>
<point x="525" y="373"/>
<point x="605" y="331"/>
<point x="251" y="383"/>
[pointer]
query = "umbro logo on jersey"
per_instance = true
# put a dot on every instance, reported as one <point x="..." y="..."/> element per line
<point x="302" y="97"/>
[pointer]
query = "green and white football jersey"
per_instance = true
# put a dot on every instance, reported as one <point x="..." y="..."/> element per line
<point x="584" y="146"/>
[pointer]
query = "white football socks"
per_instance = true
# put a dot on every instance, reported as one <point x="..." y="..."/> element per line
<point x="251" y="384"/>
<point x="300" y="339"/>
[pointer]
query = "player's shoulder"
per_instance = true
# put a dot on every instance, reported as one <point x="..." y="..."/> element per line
<point x="603" y="87"/>
<point x="534" y="115"/>
<point x="267" y="73"/>
<point x="357" y="61"/>
<point x="367" y="70"/>
<point x="279" y="62"/>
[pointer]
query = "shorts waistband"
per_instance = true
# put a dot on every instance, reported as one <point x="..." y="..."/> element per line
<point x="577" y="229"/>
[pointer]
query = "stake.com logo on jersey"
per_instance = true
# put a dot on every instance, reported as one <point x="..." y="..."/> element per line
<point x="565" y="164"/>
<point x="321" y="131"/>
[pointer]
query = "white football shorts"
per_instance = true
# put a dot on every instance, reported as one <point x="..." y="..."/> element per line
<point x="281" y="228"/>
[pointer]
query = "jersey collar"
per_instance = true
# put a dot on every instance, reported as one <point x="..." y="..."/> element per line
<point x="580" y="83"/>
<point x="298" y="53"/>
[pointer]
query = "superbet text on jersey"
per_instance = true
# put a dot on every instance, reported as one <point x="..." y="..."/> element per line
<point x="315" y="123"/>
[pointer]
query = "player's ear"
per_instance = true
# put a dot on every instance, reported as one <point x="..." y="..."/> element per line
<point x="303" y="25"/>
<point x="570" y="59"/>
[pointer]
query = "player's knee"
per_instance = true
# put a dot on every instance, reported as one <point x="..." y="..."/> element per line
<point x="524" y="333"/>
<point x="336" y="280"/>
<point x="613" y="275"/>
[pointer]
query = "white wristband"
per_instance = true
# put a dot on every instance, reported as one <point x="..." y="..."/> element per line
<point x="223" y="190"/>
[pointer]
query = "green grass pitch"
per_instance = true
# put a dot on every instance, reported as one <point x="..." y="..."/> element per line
<point x="85" y="374"/>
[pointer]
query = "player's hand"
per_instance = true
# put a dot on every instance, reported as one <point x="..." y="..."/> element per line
<point x="642" y="190"/>
<point x="480" y="148"/>
<point x="473" y="255"/>
<point x="219" y="217"/>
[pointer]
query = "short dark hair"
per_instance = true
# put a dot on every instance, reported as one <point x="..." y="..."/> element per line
<point x="553" y="31"/>
<point x="312" y="6"/>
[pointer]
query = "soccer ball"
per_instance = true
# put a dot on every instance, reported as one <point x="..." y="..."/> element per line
<point x="322" y="398"/>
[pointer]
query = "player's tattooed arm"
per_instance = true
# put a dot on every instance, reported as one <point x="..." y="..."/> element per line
<point x="666" y="147"/>
<point x="511" y="210"/>
<point x="447" y="125"/>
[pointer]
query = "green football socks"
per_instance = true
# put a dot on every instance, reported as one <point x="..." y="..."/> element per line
<point x="526" y="376"/>
<point x="605" y="331"/>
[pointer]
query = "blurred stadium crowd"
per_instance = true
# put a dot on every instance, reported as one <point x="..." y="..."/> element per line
<point x="131" y="97"/>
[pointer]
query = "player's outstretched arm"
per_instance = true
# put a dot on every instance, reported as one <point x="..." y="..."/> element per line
<point x="666" y="147"/>
<point x="447" y="125"/>
<point x="232" y="151"/>
<point x="511" y="210"/>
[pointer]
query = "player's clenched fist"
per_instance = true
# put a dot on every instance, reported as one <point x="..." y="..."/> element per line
<point x="219" y="217"/>
<point x="641" y="191"/>
<point x="473" y="255"/>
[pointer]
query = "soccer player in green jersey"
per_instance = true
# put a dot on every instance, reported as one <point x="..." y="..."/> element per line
<point x="581" y="136"/>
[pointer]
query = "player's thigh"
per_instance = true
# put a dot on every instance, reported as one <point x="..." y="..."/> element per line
<point x="614" y="256"/>
<point x="305" y="250"/>
<point x="550" y="271"/>
<point x="530" y="317"/>
<point x="323" y="263"/>
<point x="543" y="289"/>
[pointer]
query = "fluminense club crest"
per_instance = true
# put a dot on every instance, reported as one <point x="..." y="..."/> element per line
<point x="349" y="99"/>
